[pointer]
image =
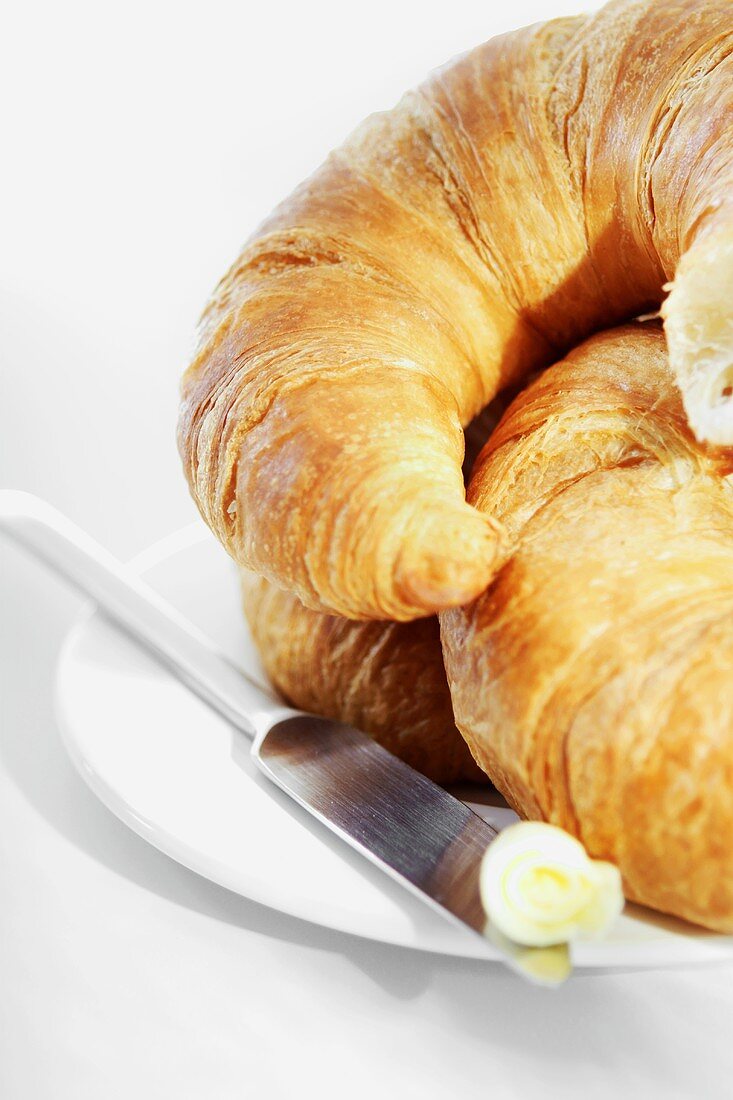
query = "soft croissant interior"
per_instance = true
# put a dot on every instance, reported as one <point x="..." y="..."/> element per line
<point x="544" y="186"/>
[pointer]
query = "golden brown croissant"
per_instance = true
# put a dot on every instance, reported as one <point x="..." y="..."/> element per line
<point x="386" y="679"/>
<point x="592" y="680"/>
<point x="545" y="185"/>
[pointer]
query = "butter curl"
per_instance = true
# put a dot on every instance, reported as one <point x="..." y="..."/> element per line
<point x="539" y="886"/>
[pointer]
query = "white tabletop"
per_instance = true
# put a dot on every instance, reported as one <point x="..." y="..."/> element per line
<point x="141" y="143"/>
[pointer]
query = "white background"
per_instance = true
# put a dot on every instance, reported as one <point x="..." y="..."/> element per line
<point x="140" y="143"/>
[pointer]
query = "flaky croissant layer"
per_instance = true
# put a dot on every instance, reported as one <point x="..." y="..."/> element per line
<point x="385" y="678"/>
<point x="541" y="187"/>
<point x="592" y="680"/>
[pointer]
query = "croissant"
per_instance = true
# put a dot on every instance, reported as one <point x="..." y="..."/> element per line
<point x="592" y="680"/>
<point x="385" y="678"/>
<point x="542" y="187"/>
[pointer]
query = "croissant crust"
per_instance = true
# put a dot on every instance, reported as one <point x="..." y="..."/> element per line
<point x="592" y="679"/>
<point x="385" y="678"/>
<point x="544" y="186"/>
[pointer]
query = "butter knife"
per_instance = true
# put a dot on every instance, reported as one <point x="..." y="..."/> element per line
<point x="416" y="832"/>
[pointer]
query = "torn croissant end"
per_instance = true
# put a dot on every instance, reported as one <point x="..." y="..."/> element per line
<point x="540" y="887"/>
<point x="699" y="329"/>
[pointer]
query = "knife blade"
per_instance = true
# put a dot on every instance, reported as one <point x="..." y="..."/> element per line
<point x="414" y="830"/>
<point x="419" y="834"/>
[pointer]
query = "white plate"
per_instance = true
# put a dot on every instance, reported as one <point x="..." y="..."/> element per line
<point x="181" y="778"/>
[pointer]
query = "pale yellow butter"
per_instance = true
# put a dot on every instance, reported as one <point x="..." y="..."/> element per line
<point x="539" y="886"/>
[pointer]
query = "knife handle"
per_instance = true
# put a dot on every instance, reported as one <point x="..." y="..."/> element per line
<point x="48" y="535"/>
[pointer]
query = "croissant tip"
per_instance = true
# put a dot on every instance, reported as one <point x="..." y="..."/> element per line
<point x="457" y="568"/>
